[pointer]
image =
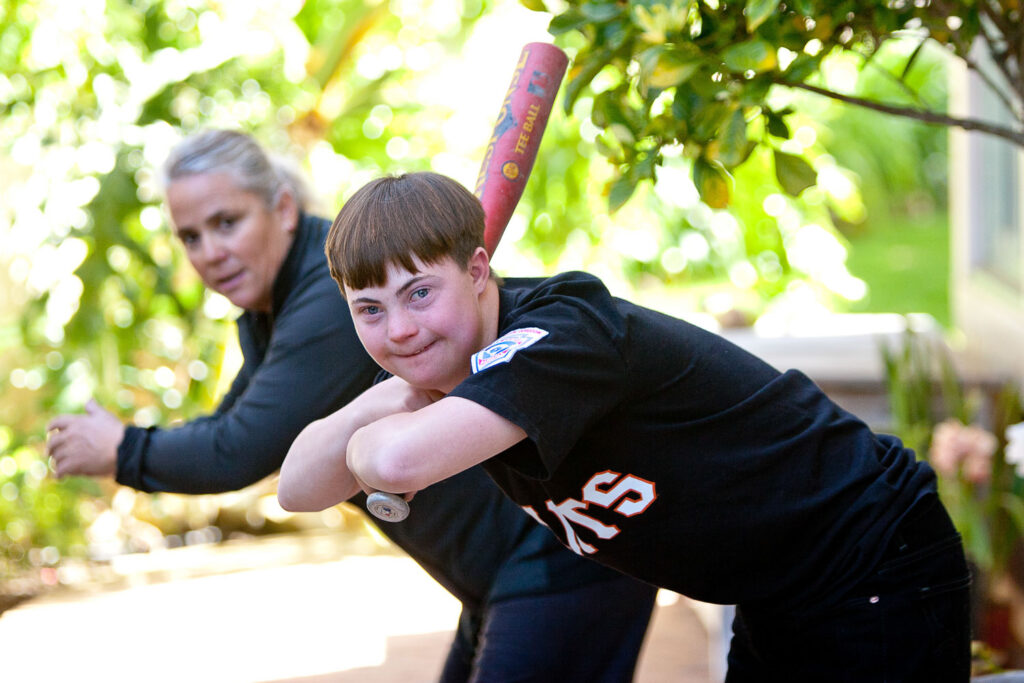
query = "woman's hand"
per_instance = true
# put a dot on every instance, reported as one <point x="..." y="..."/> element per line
<point x="85" y="444"/>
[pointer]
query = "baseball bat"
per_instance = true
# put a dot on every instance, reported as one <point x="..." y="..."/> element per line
<point x="516" y="137"/>
<point x="506" y="166"/>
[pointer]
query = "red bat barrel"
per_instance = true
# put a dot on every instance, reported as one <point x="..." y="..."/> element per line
<point x="512" y="148"/>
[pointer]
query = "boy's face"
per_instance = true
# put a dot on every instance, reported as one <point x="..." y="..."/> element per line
<point x="423" y="326"/>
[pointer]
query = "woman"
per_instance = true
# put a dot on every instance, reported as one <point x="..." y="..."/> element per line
<point x="532" y="611"/>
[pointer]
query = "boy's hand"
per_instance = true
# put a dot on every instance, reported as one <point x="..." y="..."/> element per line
<point x="393" y="395"/>
<point x="315" y="475"/>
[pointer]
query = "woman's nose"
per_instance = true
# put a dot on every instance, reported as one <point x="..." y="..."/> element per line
<point x="213" y="249"/>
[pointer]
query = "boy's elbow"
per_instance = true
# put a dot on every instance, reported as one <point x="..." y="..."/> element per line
<point x="383" y="464"/>
<point x="291" y="498"/>
<point x="294" y="492"/>
<point x="302" y="497"/>
<point x="393" y="474"/>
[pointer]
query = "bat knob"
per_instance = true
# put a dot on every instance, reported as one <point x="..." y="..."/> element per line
<point x="389" y="507"/>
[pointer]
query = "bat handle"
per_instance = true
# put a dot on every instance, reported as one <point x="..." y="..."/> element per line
<point x="389" y="507"/>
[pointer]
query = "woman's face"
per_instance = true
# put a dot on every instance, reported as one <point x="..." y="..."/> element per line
<point x="233" y="240"/>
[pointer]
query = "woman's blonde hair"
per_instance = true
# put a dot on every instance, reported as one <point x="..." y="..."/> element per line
<point x="240" y="156"/>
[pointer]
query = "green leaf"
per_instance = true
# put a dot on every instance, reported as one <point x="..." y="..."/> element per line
<point x="535" y="5"/>
<point x="645" y="166"/>
<point x="732" y="143"/>
<point x="663" y="67"/>
<point x="777" y="125"/>
<point x="757" y="11"/>
<point x="712" y="183"/>
<point x="685" y="102"/>
<point x="793" y="173"/>
<point x="600" y="12"/>
<point x="581" y="73"/>
<point x="974" y="529"/>
<point x="707" y="118"/>
<point x="570" y="20"/>
<point x="755" y="91"/>
<point x="1014" y="506"/>
<point x="804" y="7"/>
<point x="617" y="33"/>
<point x="620" y="192"/>
<point x="752" y="55"/>
<point x="802" y="68"/>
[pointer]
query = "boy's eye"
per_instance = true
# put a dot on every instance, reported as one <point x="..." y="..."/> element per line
<point x="420" y="293"/>
<point x="189" y="239"/>
<point x="370" y="310"/>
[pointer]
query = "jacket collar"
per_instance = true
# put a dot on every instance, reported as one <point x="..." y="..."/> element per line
<point x="301" y="259"/>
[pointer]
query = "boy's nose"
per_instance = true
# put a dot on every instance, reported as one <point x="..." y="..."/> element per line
<point x="400" y="326"/>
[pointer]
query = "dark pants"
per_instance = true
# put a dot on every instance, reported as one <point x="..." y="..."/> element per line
<point x="591" y="634"/>
<point x="909" y="620"/>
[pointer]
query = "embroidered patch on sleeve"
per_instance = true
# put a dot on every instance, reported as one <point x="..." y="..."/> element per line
<point x="506" y="346"/>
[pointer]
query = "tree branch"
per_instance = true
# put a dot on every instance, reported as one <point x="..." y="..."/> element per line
<point x="1002" y="57"/>
<point x="993" y="87"/>
<point x="963" y="48"/>
<point x="922" y="115"/>
<point x="898" y="81"/>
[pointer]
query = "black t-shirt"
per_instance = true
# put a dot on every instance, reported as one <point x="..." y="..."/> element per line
<point x="667" y="452"/>
<point x="481" y="547"/>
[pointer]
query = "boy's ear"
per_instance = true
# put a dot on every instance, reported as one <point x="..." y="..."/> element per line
<point x="479" y="267"/>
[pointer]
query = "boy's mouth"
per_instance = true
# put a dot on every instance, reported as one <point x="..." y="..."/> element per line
<point x="413" y="354"/>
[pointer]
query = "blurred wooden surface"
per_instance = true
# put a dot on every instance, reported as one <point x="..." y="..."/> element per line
<point x="275" y="609"/>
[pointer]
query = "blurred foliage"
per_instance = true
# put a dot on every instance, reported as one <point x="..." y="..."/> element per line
<point x="784" y="178"/>
<point x="908" y="249"/>
<point x="924" y="391"/>
<point x="706" y="75"/>
<point x="962" y="431"/>
<point x="96" y="298"/>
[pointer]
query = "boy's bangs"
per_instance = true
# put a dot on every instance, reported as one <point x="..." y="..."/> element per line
<point x="391" y="237"/>
<point x="399" y="220"/>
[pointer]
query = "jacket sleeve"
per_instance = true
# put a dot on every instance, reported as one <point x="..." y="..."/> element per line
<point x="314" y="364"/>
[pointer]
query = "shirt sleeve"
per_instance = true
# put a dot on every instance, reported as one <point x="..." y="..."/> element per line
<point x="314" y="364"/>
<point x="555" y="371"/>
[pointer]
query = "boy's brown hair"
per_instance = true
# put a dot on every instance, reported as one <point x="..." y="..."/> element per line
<point x="393" y="219"/>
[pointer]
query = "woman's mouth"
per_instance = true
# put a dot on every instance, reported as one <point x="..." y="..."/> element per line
<point x="226" y="284"/>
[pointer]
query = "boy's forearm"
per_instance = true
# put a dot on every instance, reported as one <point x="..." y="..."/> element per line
<point x="314" y="475"/>
<point x="407" y="452"/>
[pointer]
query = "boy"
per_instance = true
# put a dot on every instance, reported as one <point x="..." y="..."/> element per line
<point x="642" y="442"/>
